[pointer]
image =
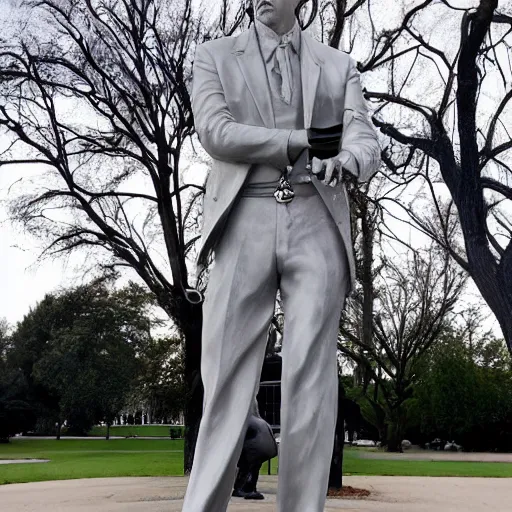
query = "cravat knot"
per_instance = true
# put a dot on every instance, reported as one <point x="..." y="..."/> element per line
<point x="283" y="67"/>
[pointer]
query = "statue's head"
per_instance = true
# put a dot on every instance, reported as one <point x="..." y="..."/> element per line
<point x="279" y="15"/>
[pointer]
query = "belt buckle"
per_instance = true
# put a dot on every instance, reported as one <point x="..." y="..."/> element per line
<point x="284" y="192"/>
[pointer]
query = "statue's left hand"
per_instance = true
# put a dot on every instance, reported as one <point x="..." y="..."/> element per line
<point x="330" y="171"/>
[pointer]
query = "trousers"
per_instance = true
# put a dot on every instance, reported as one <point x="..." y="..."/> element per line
<point x="266" y="246"/>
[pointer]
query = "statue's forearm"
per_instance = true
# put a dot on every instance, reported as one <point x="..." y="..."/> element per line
<point x="224" y="138"/>
<point x="360" y="141"/>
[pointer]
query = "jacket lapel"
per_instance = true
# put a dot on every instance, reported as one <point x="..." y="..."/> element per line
<point x="247" y="52"/>
<point x="310" y="74"/>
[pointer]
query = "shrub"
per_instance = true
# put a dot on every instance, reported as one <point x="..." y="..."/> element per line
<point x="177" y="432"/>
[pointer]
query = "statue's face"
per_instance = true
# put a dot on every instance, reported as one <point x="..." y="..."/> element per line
<point x="275" y="12"/>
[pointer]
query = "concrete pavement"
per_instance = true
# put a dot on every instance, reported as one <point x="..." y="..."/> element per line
<point x="389" y="494"/>
<point x="22" y="461"/>
<point x="438" y="456"/>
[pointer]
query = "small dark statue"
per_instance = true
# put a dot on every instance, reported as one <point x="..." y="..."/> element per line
<point x="259" y="446"/>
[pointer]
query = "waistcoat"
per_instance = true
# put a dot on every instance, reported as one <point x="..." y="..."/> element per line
<point x="285" y="116"/>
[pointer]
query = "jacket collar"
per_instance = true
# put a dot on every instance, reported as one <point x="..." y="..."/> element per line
<point x="269" y="40"/>
<point x="248" y="55"/>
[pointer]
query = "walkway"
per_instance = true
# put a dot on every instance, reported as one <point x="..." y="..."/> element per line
<point x="389" y="494"/>
<point x="439" y="456"/>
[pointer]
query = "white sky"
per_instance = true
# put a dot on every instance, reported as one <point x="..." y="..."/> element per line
<point x="21" y="283"/>
<point x="24" y="277"/>
<point x="24" y="280"/>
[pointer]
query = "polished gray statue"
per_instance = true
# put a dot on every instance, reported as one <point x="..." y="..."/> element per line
<point x="271" y="224"/>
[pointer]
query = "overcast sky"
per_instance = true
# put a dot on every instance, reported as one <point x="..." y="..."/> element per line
<point x="21" y="283"/>
<point x="24" y="279"/>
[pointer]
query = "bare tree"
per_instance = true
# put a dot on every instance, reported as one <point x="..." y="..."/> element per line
<point x="445" y="134"/>
<point x="100" y="100"/>
<point x="412" y="304"/>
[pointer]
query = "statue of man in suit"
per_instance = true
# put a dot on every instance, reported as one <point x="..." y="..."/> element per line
<point x="255" y="99"/>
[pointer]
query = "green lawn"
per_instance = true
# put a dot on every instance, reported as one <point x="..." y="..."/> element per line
<point x="132" y="430"/>
<point x="353" y="465"/>
<point x="91" y="459"/>
<point x="139" y="457"/>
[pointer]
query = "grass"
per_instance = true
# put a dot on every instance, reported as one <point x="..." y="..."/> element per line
<point x="132" y="430"/>
<point x="95" y="458"/>
<point x="139" y="457"/>
<point x="354" y="465"/>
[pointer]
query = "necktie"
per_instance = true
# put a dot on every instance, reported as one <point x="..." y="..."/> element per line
<point x="283" y="67"/>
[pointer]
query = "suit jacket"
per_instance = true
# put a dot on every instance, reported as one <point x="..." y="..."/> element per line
<point x="234" y="120"/>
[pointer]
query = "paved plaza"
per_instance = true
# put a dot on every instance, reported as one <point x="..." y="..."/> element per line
<point x="436" y="456"/>
<point x="389" y="494"/>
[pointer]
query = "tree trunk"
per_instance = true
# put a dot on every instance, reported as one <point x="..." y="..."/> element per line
<point x="108" y="431"/>
<point x="192" y="326"/>
<point x="506" y="327"/>
<point x="380" y="420"/>
<point x="336" y="471"/>
<point x="59" y="427"/>
<point x="394" y="443"/>
<point x="493" y="280"/>
<point x="395" y="431"/>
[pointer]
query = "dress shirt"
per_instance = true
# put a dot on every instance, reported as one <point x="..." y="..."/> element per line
<point x="282" y="58"/>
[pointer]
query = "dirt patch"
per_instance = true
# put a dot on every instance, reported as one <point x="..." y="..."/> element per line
<point x="348" y="493"/>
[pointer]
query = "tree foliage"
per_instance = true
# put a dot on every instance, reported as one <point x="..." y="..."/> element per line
<point x="413" y="303"/>
<point x="126" y="72"/>
<point x="112" y="184"/>
<point x="16" y="413"/>
<point x="79" y="352"/>
<point x="161" y="385"/>
<point x="465" y="393"/>
<point x="444" y="105"/>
